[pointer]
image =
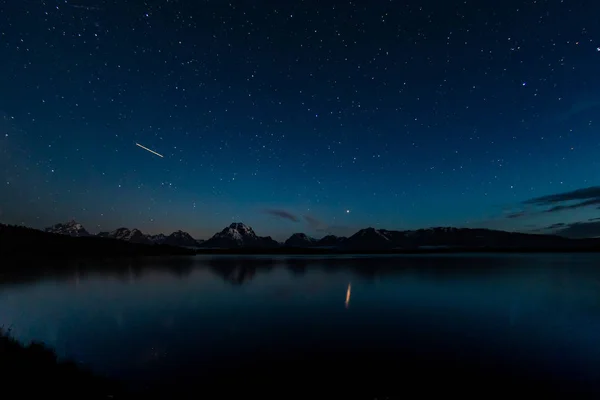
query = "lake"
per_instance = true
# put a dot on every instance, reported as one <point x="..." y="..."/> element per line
<point x="380" y="323"/>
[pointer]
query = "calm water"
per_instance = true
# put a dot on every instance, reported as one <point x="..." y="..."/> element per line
<point x="184" y="321"/>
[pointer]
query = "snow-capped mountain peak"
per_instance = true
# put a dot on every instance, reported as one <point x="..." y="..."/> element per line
<point x="241" y="230"/>
<point x="180" y="233"/>
<point x="238" y="232"/>
<point x="372" y="232"/>
<point x="239" y="235"/>
<point x="157" y="239"/>
<point x="121" y="234"/>
<point x="128" y="235"/>
<point x="71" y="228"/>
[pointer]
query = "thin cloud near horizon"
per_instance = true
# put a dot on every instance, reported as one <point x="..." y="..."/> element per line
<point x="282" y="214"/>
<point x="557" y="202"/>
<point x="564" y="201"/>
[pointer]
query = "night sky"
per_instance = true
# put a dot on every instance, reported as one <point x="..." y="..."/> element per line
<point x="314" y="116"/>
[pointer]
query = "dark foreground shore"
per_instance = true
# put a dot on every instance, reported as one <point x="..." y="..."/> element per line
<point x="33" y="371"/>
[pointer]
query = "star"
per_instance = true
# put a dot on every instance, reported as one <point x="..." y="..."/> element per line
<point x="292" y="106"/>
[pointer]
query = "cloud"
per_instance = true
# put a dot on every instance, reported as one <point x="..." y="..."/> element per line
<point x="517" y="214"/>
<point x="576" y="230"/>
<point x="591" y="202"/>
<point x="551" y="228"/>
<point x="581" y="230"/>
<point x="314" y="223"/>
<point x="554" y="227"/>
<point x="321" y="227"/>
<point x="579" y="194"/>
<point x="282" y="214"/>
<point x="560" y="202"/>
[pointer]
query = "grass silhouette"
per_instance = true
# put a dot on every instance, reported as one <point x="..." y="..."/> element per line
<point x="34" y="371"/>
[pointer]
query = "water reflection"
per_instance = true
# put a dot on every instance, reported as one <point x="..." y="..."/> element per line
<point x="144" y="318"/>
<point x="238" y="271"/>
<point x="348" y="291"/>
<point x="559" y="271"/>
<point x="297" y="265"/>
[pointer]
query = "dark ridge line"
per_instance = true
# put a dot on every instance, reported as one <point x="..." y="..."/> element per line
<point x="467" y="250"/>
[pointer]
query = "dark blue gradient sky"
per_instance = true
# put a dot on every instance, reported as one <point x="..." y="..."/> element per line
<point x="297" y="115"/>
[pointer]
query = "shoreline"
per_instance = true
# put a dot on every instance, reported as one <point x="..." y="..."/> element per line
<point x="315" y="251"/>
<point x="40" y="364"/>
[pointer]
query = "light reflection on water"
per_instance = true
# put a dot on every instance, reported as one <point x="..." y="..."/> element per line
<point x="348" y="293"/>
<point x="143" y="318"/>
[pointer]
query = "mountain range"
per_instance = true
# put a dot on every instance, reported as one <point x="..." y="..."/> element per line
<point x="71" y="228"/>
<point x="241" y="236"/>
<point x="178" y="238"/>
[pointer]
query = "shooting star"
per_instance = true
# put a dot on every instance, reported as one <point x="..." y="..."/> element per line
<point x="147" y="149"/>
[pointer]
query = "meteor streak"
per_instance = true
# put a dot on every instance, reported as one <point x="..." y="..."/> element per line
<point x="147" y="149"/>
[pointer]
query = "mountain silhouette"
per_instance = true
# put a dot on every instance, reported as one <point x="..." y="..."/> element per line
<point x="239" y="235"/>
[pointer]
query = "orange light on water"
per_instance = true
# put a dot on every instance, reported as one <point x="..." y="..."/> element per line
<point x="348" y="291"/>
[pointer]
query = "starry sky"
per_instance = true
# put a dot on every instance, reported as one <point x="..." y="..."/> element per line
<point x="313" y="116"/>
